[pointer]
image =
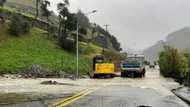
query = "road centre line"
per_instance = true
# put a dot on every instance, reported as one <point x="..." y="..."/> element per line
<point x="79" y="95"/>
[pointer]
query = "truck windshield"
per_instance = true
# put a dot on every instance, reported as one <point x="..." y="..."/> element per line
<point x="131" y="65"/>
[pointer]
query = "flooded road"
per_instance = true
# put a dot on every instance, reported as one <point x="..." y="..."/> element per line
<point x="153" y="91"/>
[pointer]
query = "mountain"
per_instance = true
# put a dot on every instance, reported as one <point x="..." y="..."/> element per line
<point x="179" y="39"/>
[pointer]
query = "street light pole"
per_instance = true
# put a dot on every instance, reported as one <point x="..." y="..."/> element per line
<point x="77" y="73"/>
<point x="77" y="43"/>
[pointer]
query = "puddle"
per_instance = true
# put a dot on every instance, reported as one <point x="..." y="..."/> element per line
<point x="24" y="98"/>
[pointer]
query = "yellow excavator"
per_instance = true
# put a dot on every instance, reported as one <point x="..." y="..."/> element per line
<point x="102" y="69"/>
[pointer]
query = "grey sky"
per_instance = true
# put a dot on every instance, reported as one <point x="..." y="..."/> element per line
<point x="137" y="23"/>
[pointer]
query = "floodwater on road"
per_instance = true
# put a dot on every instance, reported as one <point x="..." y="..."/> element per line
<point x="153" y="91"/>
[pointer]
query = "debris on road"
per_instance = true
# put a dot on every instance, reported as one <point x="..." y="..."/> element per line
<point x="35" y="71"/>
<point x="50" y="82"/>
<point x="12" y="76"/>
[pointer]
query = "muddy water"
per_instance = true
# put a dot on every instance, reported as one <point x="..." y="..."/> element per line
<point x="30" y="93"/>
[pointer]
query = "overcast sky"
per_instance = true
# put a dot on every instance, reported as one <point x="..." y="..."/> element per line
<point x="137" y="24"/>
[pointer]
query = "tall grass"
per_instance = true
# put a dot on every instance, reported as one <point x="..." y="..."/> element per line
<point x="19" y="53"/>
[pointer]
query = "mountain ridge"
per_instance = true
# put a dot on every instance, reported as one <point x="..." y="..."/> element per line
<point x="179" y="39"/>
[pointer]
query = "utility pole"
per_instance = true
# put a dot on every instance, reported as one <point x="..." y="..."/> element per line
<point x="106" y="26"/>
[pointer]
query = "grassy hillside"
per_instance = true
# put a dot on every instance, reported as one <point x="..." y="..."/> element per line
<point x="18" y="53"/>
<point x="100" y="37"/>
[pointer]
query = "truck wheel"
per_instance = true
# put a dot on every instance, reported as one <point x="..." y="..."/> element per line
<point x="133" y="75"/>
<point x="122" y="74"/>
<point x="144" y="71"/>
<point x="112" y="75"/>
<point x="96" y="76"/>
<point x="141" y="75"/>
<point x="127" y="74"/>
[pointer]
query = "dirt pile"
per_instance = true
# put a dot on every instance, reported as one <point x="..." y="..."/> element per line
<point x="36" y="71"/>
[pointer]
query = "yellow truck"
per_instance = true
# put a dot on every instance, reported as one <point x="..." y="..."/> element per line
<point x="102" y="69"/>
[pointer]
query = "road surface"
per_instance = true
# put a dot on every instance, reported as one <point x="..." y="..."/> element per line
<point x="151" y="91"/>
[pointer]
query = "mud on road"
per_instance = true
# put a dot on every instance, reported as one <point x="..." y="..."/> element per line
<point x="153" y="90"/>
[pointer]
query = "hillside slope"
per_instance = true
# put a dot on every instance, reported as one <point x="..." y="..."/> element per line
<point x="179" y="39"/>
<point x="100" y="38"/>
<point x="18" y="53"/>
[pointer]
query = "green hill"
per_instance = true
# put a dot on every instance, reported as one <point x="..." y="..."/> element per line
<point x="100" y="36"/>
<point x="19" y="53"/>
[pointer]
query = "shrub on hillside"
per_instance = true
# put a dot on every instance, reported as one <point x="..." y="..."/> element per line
<point x="68" y="45"/>
<point x="2" y="2"/>
<point x="86" y="49"/>
<point x="83" y="31"/>
<point x="187" y="55"/>
<point x="112" y="55"/>
<point x="187" y="76"/>
<point x="25" y="25"/>
<point x="173" y="63"/>
<point x="18" y="25"/>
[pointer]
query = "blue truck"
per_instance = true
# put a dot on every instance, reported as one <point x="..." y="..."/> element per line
<point x="133" y="66"/>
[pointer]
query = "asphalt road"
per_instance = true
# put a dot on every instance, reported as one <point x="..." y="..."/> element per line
<point x="151" y="91"/>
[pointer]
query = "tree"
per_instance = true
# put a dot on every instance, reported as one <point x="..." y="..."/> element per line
<point x="63" y="13"/>
<point x="18" y="25"/>
<point x="113" y="56"/>
<point x="45" y="11"/>
<point x="83" y="22"/>
<point x="82" y="31"/>
<point x="2" y="2"/>
<point x="187" y="76"/>
<point x="37" y="8"/>
<point x="173" y="63"/>
<point x="71" y="22"/>
<point x="83" y="19"/>
<point x="115" y="43"/>
<point x="63" y="16"/>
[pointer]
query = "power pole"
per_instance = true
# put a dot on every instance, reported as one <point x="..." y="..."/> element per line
<point x="106" y="26"/>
